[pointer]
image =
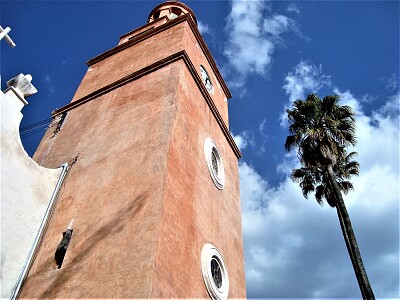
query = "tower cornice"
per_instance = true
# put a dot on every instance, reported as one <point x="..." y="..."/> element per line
<point x="151" y="68"/>
<point x="140" y="37"/>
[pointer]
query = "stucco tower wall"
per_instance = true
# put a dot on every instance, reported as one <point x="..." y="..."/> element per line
<point x="156" y="44"/>
<point x="139" y="191"/>
<point x="194" y="211"/>
<point x="113" y="192"/>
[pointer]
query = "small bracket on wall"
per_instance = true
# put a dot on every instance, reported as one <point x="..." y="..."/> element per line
<point x="60" y="122"/>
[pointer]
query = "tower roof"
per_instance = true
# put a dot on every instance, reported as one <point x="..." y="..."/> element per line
<point x="171" y="9"/>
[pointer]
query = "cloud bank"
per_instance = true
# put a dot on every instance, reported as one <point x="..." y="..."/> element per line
<point x="293" y="246"/>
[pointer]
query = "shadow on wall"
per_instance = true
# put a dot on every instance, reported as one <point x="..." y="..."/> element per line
<point x="110" y="228"/>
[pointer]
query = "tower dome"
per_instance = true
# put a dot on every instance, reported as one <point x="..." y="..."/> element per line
<point x="171" y="9"/>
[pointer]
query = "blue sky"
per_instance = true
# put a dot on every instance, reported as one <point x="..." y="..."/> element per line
<point x="270" y="54"/>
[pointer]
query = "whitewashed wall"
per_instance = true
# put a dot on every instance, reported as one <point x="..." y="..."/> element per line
<point x="26" y="190"/>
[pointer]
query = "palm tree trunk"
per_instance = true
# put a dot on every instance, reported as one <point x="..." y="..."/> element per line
<point x="349" y="247"/>
<point x="350" y="239"/>
<point x="348" y="244"/>
<point x="351" y="253"/>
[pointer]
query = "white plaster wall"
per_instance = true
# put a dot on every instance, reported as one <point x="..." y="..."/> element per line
<point x="26" y="190"/>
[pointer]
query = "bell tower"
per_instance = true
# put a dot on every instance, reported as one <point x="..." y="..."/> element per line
<point x="150" y="207"/>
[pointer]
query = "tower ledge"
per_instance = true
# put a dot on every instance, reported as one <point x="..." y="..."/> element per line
<point x="148" y="33"/>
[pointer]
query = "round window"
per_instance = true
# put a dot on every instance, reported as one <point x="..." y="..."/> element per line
<point x="206" y="79"/>
<point x="214" y="163"/>
<point x="215" y="274"/>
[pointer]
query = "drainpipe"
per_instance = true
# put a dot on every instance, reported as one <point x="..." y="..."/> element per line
<point x="40" y="233"/>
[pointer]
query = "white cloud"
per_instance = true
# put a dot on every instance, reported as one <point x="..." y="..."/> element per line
<point x="392" y="83"/>
<point x="244" y="139"/>
<point x="262" y="128"/>
<point x="289" y="162"/>
<point x="203" y="28"/>
<point x="306" y="78"/>
<point x="293" y="8"/>
<point x="277" y="25"/>
<point x="346" y="98"/>
<point x="391" y="108"/>
<point x="49" y="84"/>
<point x="240" y="141"/>
<point x="294" y="247"/>
<point x="253" y="34"/>
<point x="367" y="98"/>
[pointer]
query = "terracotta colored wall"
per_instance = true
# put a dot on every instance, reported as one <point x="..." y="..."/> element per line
<point x="198" y="58"/>
<point x="131" y="59"/>
<point x="171" y="40"/>
<point x="113" y="193"/>
<point x="194" y="211"/>
<point x="125" y="38"/>
<point x="140" y="194"/>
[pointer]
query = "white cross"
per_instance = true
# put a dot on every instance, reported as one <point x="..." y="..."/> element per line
<point x="4" y="34"/>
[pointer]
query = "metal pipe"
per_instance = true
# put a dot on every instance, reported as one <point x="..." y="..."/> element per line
<point x="43" y="225"/>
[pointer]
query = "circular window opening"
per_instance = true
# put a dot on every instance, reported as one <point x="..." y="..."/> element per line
<point x="214" y="163"/>
<point x="206" y="79"/>
<point x="215" y="274"/>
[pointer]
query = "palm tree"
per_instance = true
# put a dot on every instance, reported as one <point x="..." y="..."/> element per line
<point x="320" y="130"/>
